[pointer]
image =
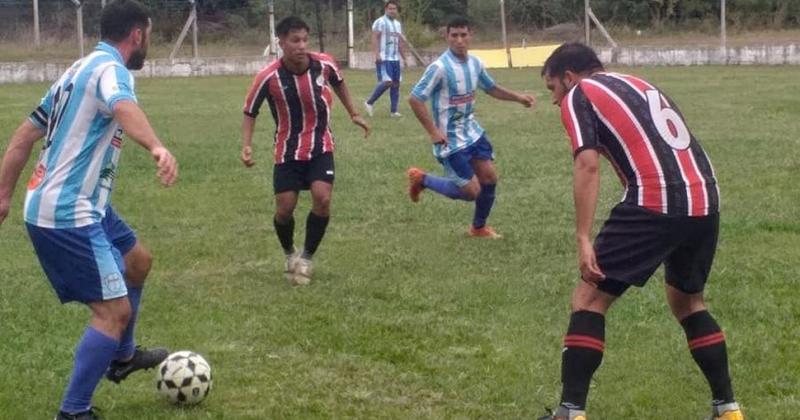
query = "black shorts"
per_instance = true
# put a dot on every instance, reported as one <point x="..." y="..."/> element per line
<point x="635" y="241"/>
<point x="296" y="175"/>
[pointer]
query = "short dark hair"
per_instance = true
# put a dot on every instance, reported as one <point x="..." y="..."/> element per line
<point x="291" y="23"/>
<point x="394" y="2"/>
<point x="121" y="17"/>
<point x="458" y="22"/>
<point x="572" y="56"/>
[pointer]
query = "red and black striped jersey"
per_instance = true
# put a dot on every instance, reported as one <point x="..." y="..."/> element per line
<point x="300" y="105"/>
<point x="641" y="131"/>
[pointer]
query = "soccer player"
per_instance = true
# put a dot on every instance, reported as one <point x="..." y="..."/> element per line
<point x="459" y="142"/>
<point x="89" y="254"/>
<point x="297" y="90"/>
<point x="387" y="47"/>
<point x="669" y="214"/>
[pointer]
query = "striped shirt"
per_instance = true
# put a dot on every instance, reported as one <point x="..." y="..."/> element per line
<point x="300" y="104"/>
<point x="451" y="84"/>
<point x="72" y="181"/>
<point x="642" y="132"/>
<point x="391" y="32"/>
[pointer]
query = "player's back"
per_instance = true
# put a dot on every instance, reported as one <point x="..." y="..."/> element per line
<point x="75" y="172"/>
<point x="643" y="133"/>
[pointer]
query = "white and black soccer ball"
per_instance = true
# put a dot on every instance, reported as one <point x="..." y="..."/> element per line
<point x="184" y="377"/>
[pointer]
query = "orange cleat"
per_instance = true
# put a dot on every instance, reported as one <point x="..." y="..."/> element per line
<point x="415" y="187"/>
<point x="484" y="232"/>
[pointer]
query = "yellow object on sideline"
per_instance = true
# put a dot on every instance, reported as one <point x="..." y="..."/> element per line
<point x="520" y="57"/>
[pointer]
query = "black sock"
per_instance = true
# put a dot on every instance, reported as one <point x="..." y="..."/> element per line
<point x="707" y="345"/>
<point x="582" y="354"/>
<point x="285" y="234"/>
<point x="315" y="230"/>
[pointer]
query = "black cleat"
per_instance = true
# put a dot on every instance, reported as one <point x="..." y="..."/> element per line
<point x="91" y="414"/>
<point x="142" y="359"/>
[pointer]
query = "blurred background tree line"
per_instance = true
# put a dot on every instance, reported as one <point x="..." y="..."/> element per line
<point x="244" y="22"/>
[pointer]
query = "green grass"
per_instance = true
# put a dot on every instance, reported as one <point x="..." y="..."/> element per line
<point x="406" y="317"/>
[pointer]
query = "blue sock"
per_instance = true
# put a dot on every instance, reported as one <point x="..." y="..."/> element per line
<point x="127" y="345"/>
<point x="483" y="205"/>
<point x="92" y="357"/>
<point x="394" y="96"/>
<point x="442" y="186"/>
<point x="379" y="89"/>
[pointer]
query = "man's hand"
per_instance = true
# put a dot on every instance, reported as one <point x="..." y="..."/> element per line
<point x="438" y="137"/>
<point x="587" y="262"/>
<point x="247" y="156"/>
<point x="167" y="165"/>
<point x="528" y="101"/>
<point x="361" y="122"/>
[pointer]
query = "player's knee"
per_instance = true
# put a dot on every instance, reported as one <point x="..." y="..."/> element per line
<point x="283" y="214"/>
<point x="137" y="269"/>
<point x="322" y="206"/>
<point x="387" y="84"/>
<point x="395" y="84"/>
<point x="685" y="305"/>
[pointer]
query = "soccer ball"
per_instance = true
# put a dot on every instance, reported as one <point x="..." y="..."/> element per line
<point x="184" y="377"/>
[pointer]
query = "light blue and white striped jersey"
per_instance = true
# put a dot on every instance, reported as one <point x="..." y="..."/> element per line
<point x="72" y="182"/>
<point x="450" y="83"/>
<point x="391" y="31"/>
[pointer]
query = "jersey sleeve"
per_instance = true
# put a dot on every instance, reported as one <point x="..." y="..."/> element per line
<point x="430" y="79"/>
<point x="115" y="84"/>
<point x="485" y="81"/>
<point x="41" y="114"/>
<point x="580" y="121"/>
<point x="259" y="91"/>
<point x="377" y="26"/>
<point x="331" y="70"/>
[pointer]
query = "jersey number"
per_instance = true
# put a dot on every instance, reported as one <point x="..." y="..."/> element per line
<point x="668" y="123"/>
<point x="60" y="101"/>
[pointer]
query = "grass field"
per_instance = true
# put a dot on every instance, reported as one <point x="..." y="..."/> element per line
<point x="406" y="317"/>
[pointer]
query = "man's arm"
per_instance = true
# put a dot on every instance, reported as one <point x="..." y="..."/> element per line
<point x="248" y="126"/>
<point x="135" y="124"/>
<point x="503" y="94"/>
<point x="376" y="46"/>
<point x="424" y="117"/>
<point x="344" y="95"/>
<point x="14" y="160"/>
<point x="586" y="184"/>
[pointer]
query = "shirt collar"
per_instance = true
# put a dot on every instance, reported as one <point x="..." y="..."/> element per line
<point x="106" y="47"/>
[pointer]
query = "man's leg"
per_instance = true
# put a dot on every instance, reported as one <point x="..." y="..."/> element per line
<point x="394" y="96"/>
<point x="384" y="82"/>
<point x="137" y="266"/>
<point x="285" y="203"/>
<point x="95" y="352"/>
<point x="706" y="342"/>
<point x="487" y="177"/>
<point x="584" y="344"/>
<point x="458" y="183"/>
<point x="318" y="217"/>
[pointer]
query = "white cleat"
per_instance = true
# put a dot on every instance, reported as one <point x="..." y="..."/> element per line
<point x="370" y="109"/>
<point x="303" y="269"/>
<point x="288" y="266"/>
<point x="396" y="115"/>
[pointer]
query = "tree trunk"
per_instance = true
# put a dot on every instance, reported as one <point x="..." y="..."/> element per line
<point x="320" y="28"/>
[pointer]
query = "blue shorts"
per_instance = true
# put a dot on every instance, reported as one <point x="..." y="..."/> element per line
<point x="457" y="166"/>
<point x="388" y="71"/>
<point x="85" y="264"/>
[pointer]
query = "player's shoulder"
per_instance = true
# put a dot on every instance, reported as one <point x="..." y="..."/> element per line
<point x="323" y="57"/>
<point x="269" y="70"/>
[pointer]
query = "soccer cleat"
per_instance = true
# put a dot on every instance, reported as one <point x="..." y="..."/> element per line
<point x="142" y="359"/>
<point x="370" y="109"/>
<point x="303" y="268"/>
<point x="564" y="413"/>
<point x="484" y="232"/>
<point x="91" y="414"/>
<point x="728" y="411"/>
<point x="415" y="178"/>
<point x="288" y="266"/>
<point x="396" y="115"/>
